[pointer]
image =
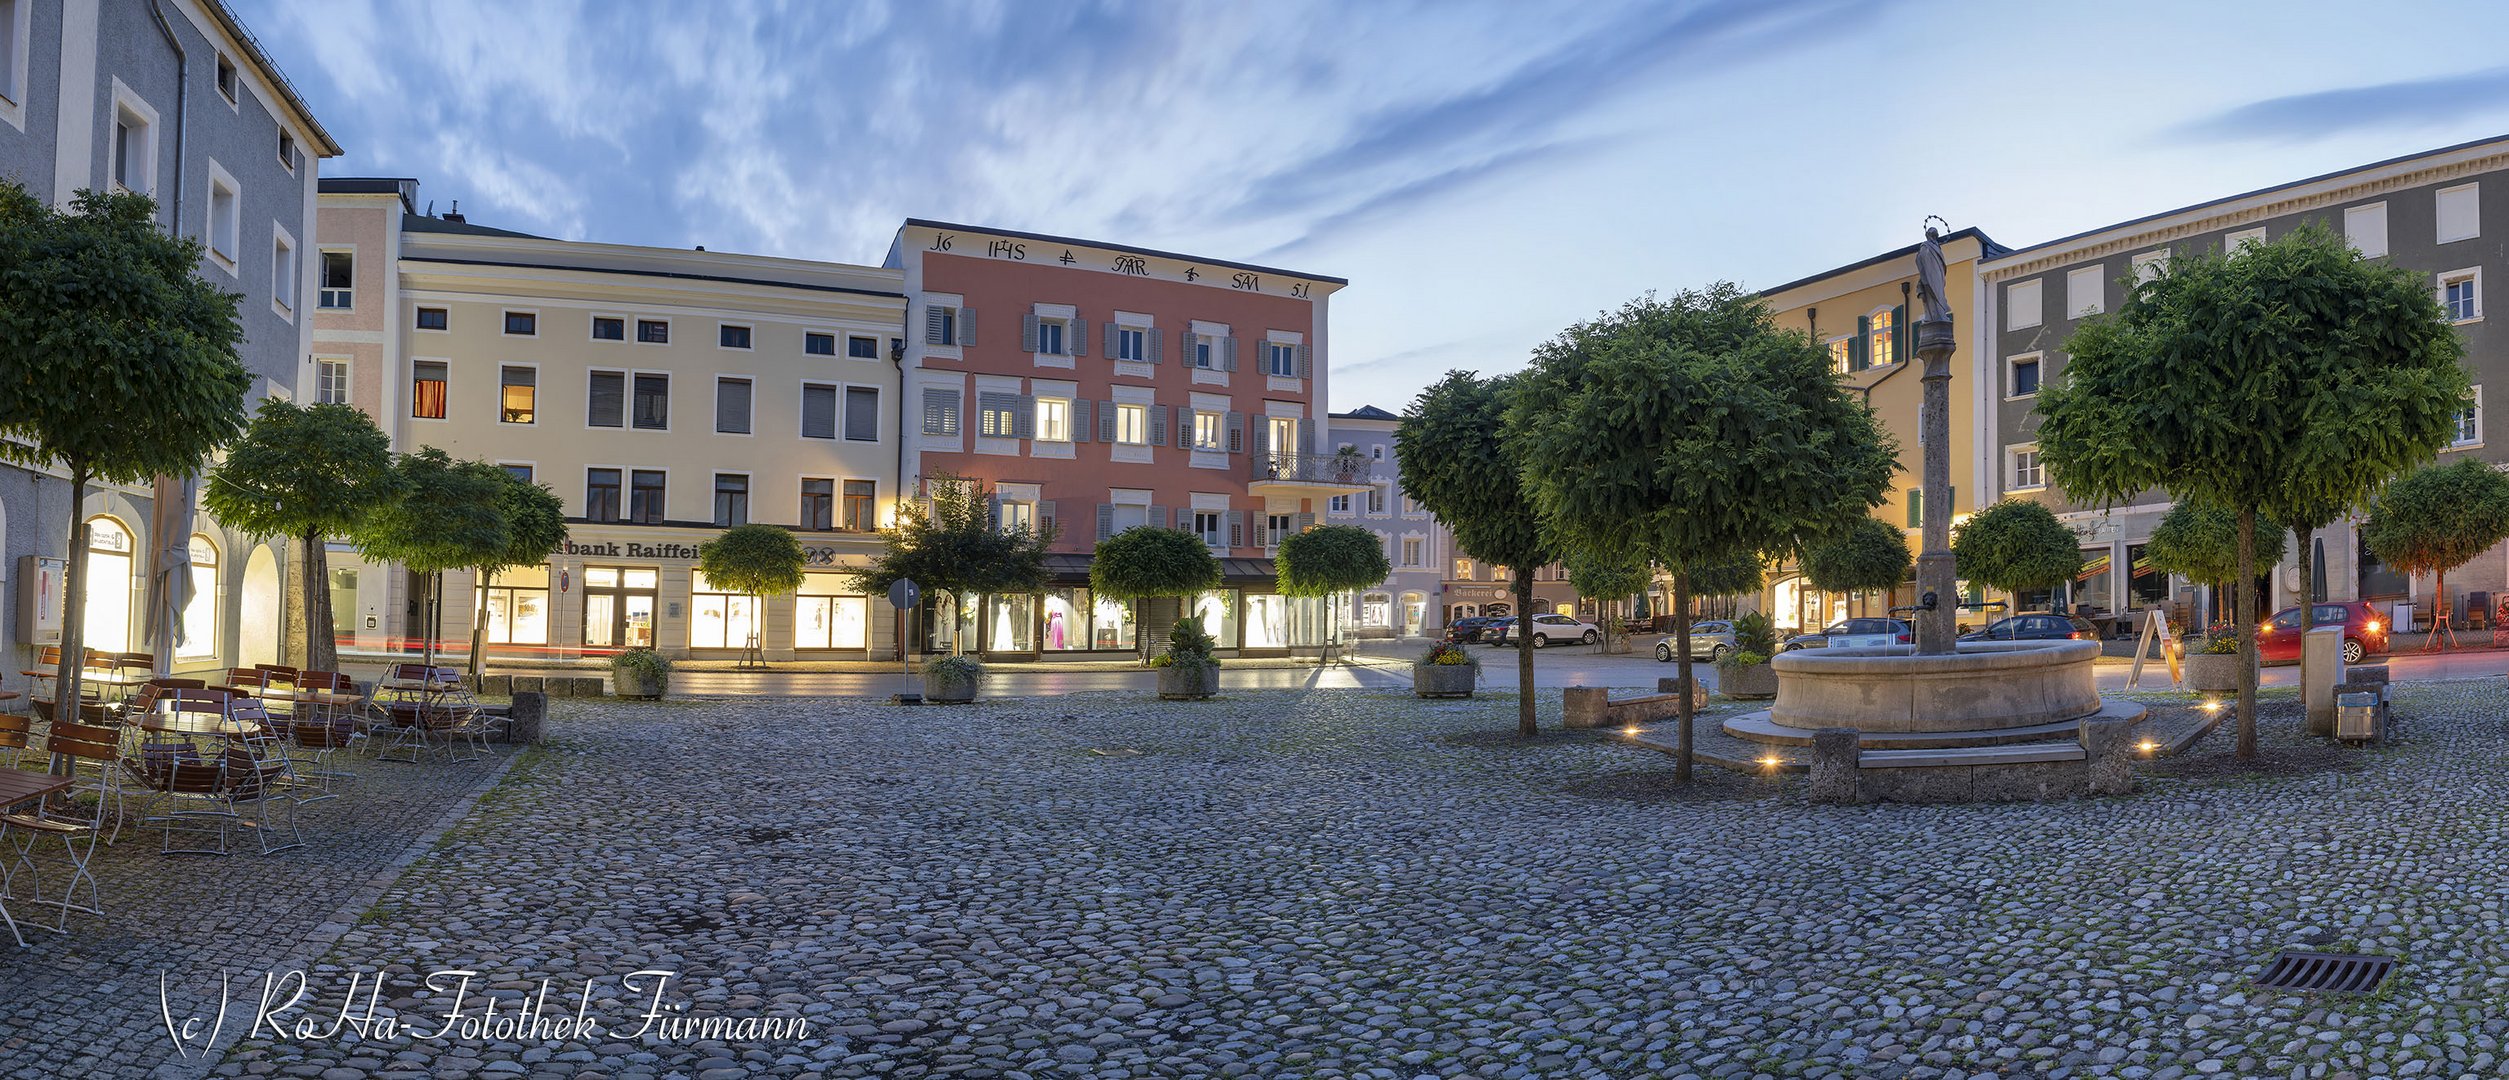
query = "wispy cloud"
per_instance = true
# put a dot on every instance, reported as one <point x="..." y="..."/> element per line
<point x="2415" y="102"/>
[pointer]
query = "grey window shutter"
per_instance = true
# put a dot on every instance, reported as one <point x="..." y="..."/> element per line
<point x="1028" y="333"/>
<point x="1262" y="435"/>
<point x="818" y="412"/>
<point x="1185" y="340"/>
<point x="966" y="326"/>
<point x="1262" y="530"/>
<point x="1859" y="351"/>
<point x="1899" y="334"/>
<point x="1236" y="528"/>
<point x="1306" y="436"/>
<point x="1080" y="420"/>
<point x="940" y="411"/>
<point x="1228" y="353"/>
<point x="1236" y="433"/>
<point x="1151" y="338"/>
<point x="1106" y="520"/>
<point x="1078" y="345"/>
<point x="1111" y="335"/>
<point x="1024" y="416"/>
<point x="932" y="325"/>
<point x="1106" y="421"/>
<point x="1159" y="519"/>
<point x="1158" y="425"/>
<point x="1305" y="369"/>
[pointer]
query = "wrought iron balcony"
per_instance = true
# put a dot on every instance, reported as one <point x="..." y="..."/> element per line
<point x="1344" y="472"/>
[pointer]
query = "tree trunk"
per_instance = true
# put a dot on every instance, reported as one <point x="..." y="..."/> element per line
<point x="2308" y="602"/>
<point x="479" y="627"/>
<point x="322" y="633"/>
<point x="1681" y="650"/>
<point x="2243" y="603"/>
<point x="431" y="613"/>
<point x="2437" y="639"/>
<point x="65" y="684"/>
<point x="1524" y="652"/>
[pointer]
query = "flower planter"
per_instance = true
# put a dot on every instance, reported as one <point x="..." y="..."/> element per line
<point x="2213" y="672"/>
<point x="946" y="688"/>
<point x="1445" y="680"/>
<point x="1188" y="682"/>
<point x="634" y="684"/>
<point x="1751" y="682"/>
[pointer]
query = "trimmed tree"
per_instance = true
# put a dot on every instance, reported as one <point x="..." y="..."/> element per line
<point x="2016" y="545"/>
<point x="535" y="524"/>
<point x="307" y="473"/>
<point x="2294" y="376"/>
<point x="2201" y="544"/>
<point x="1151" y="563"/>
<point x="1736" y="576"/>
<point x="953" y="544"/>
<point x="1870" y="555"/>
<point x="1726" y="437"/>
<point x="2435" y="519"/>
<point x="117" y="362"/>
<point x="760" y="560"/>
<point x="442" y="516"/>
<point x="1451" y="458"/>
<point x="1608" y="580"/>
<point x="1330" y="559"/>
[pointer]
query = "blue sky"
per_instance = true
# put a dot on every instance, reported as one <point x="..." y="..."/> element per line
<point x="1483" y="173"/>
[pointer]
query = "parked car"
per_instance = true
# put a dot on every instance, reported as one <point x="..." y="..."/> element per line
<point x="1470" y="628"/>
<point x="1853" y="634"/>
<point x="2036" y="626"/>
<point x="2364" y="632"/>
<point x="1710" y="639"/>
<point x="1548" y="630"/>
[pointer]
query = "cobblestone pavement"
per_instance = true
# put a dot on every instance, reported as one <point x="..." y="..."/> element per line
<point x="87" y="1002"/>
<point x="1341" y="883"/>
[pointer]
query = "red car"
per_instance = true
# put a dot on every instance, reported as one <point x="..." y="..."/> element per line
<point x="2364" y="632"/>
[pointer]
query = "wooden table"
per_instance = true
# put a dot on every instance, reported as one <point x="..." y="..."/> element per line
<point x="17" y="786"/>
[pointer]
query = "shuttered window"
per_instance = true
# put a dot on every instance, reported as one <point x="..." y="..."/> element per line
<point x="940" y="412"/>
<point x="818" y="411"/>
<point x="609" y="400"/>
<point x="862" y="414"/>
<point x="998" y="416"/>
<point x="731" y="406"/>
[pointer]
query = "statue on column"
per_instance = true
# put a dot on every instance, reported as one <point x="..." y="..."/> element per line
<point x="1930" y="290"/>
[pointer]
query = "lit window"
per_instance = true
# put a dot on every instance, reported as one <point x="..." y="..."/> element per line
<point x="1018" y="516"/>
<point x="427" y="389"/>
<point x="518" y="393"/>
<point x="1880" y="342"/>
<point x="1209" y="429"/>
<point x="1054" y="420"/>
<point x="1132" y="425"/>
<point x="1842" y="353"/>
<point x="1463" y="569"/>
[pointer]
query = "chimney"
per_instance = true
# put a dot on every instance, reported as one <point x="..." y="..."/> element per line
<point x="455" y="215"/>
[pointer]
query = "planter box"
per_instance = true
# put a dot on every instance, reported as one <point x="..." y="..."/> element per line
<point x="2212" y="672"/>
<point x="1445" y="680"/>
<point x="632" y="684"/>
<point x="1188" y="682"/>
<point x="1753" y="682"/>
<point x="941" y="688"/>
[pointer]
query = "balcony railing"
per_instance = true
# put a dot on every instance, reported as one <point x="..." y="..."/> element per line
<point x="1314" y="469"/>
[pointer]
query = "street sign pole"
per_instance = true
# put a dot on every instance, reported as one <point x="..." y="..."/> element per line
<point x="903" y="595"/>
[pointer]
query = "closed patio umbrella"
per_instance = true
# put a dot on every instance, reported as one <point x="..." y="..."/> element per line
<point x="170" y="522"/>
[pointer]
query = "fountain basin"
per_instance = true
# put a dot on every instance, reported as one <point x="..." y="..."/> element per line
<point x="1986" y="686"/>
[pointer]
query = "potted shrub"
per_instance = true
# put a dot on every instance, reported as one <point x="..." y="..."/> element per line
<point x="640" y="673"/>
<point x="1445" y="671"/>
<point x="1349" y="466"/>
<point x="2214" y="665"/>
<point x="1188" y="672"/>
<point x="1745" y="672"/>
<point x="951" y="680"/>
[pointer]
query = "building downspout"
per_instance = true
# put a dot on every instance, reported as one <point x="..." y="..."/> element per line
<point x="897" y="359"/>
<point x="182" y="110"/>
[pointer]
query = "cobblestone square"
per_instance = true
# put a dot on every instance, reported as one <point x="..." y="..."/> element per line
<point x="1329" y="883"/>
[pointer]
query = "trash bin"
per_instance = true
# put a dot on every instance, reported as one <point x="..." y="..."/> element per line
<point x="2356" y="716"/>
<point x="2400" y="617"/>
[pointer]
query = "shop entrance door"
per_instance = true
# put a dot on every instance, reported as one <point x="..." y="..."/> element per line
<point x="618" y="607"/>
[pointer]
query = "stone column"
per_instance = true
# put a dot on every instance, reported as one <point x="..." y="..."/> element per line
<point x="2321" y="670"/>
<point x="2109" y="755"/>
<point x="1835" y="772"/>
<point x="528" y="717"/>
<point x="1937" y="630"/>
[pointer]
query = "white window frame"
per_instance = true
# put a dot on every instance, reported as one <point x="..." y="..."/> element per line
<point x="125" y="100"/>
<point x="2035" y="289"/>
<point x="2477" y="410"/>
<point x="412" y="411"/>
<point x="225" y="226"/>
<point x="2232" y="241"/>
<point x="322" y="292"/>
<point x="1132" y="424"/>
<point x="1046" y="407"/>
<point x="2012" y="468"/>
<point x="506" y="314"/>
<point x="2149" y="265"/>
<point x="627" y="328"/>
<point x="224" y="64"/>
<point x="536" y="407"/>
<point x="2094" y="278"/>
<point x="414" y="309"/>
<point x="636" y="331"/>
<point x="1219" y="431"/>
<point x="1842" y="351"/>
<point x="347" y="387"/>
<point x="1881" y="336"/>
<point x="287" y="264"/>
<point x="2013" y="363"/>
<point x="1284" y="351"/>
<point x="16" y="25"/>
<point x="1137" y="338"/>
<point x="719" y="379"/>
<point x="2366" y="213"/>
<point x="720" y="327"/>
<point x="2474" y="196"/>
<point x="2471" y="274"/>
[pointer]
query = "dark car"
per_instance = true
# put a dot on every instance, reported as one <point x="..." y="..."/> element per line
<point x="1467" y="630"/>
<point x="2036" y="626"/>
<point x="2364" y="632"/>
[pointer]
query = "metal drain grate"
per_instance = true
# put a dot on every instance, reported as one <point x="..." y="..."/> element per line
<point x="2326" y="973"/>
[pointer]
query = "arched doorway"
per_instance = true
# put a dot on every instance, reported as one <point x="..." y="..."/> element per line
<point x="260" y="616"/>
<point x="107" y="588"/>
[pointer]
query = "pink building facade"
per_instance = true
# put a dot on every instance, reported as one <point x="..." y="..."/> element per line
<point x="1094" y="388"/>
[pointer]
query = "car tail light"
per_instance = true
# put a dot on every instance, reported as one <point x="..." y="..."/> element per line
<point x="2074" y="636"/>
<point x="1903" y="639"/>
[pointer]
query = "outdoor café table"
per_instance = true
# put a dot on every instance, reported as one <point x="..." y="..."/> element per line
<point x="16" y="787"/>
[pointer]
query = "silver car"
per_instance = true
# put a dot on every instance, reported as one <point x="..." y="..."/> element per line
<point x="1852" y="634"/>
<point x="1710" y="639"/>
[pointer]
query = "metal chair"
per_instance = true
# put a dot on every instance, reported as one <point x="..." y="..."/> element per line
<point x="425" y="707"/>
<point x="317" y="731"/>
<point x="16" y="731"/>
<point x="63" y="817"/>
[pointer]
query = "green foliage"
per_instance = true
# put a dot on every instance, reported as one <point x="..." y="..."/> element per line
<point x="1692" y="429"/>
<point x="1329" y="559"/>
<point x="1187" y="643"/>
<point x="1146" y="562"/>
<point x="2435" y="519"/>
<point x="954" y="546"/>
<point x="301" y="470"/>
<point x="1868" y="556"/>
<point x="1609" y="578"/>
<point x="1450" y="456"/>
<point x="2202" y="543"/>
<point x="957" y="669"/>
<point x="1733" y="576"/>
<point x="2014" y="545"/>
<point x="119" y="358"/>
<point x="1746" y="657"/>
<point x="444" y="515"/>
<point x="646" y="664"/>
<point x="1754" y="633"/>
<point x="535" y="520"/>
<point x="762" y="560"/>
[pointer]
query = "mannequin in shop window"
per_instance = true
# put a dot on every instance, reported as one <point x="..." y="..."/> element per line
<point x="1054" y="630"/>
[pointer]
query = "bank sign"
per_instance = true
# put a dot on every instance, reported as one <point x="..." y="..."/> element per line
<point x="814" y="555"/>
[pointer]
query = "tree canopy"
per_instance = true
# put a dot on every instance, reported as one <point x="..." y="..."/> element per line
<point x="2016" y="545"/>
<point x="761" y="560"/>
<point x="2279" y="381"/>
<point x="1870" y="555"/>
<point x="1451" y="458"/>
<point x="307" y="473"/>
<point x="2201" y="543"/>
<point x="955" y="544"/>
<point x="1147" y="562"/>
<point x="1609" y="578"/>
<point x="2439" y="517"/>
<point x="443" y="516"/>
<point x="1330" y="559"/>
<point x="1728" y="577"/>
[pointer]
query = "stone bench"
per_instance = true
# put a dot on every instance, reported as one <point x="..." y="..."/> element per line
<point x="1593" y="707"/>
<point x="2100" y="761"/>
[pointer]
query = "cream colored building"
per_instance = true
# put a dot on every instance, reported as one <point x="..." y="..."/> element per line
<point x="664" y="395"/>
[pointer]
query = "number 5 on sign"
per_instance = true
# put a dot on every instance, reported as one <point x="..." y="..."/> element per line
<point x="2156" y="628"/>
